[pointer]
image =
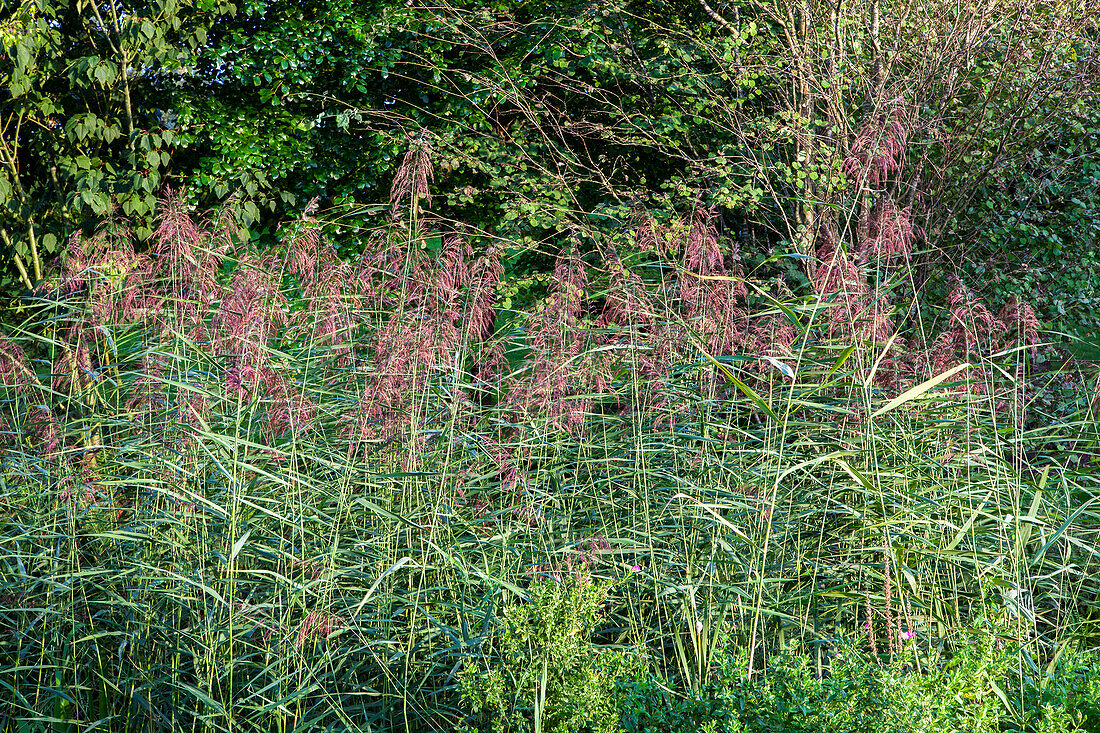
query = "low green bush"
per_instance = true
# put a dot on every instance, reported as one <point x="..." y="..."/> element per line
<point x="548" y="673"/>
<point x="985" y="684"/>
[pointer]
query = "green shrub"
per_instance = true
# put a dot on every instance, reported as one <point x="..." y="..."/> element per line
<point x="978" y="689"/>
<point x="548" y="671"/>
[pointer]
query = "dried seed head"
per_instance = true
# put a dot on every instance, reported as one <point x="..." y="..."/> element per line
<point x="972" y="326"/>
<point x="183" y="260"/>
<point x="702" y="255"/>
<point x="291" y="411"/>
<point x="486" y="274"/>
<point x="15" y="370"/>
<point x="317" y="625"/>
<point x="250" y="315"/>
<point x="43" y="425"/>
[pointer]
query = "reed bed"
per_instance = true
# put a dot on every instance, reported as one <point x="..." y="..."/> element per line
<point x="275" y="490"/>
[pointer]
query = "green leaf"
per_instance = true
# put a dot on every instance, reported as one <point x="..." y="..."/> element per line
<point x="22" y="55"/>
<point x="105" y="73"/>
<point x="914" y="392"/>
<point x="239" y="544"/>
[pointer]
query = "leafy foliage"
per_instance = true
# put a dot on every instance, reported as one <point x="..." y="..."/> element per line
<point x="556" y="119"/>
<point x="88" y="119"/>
<point x="549" y="670"/>
<point x="976" y="689"/>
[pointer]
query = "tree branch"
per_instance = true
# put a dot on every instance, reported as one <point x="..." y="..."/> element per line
<point x="718" y="18"/>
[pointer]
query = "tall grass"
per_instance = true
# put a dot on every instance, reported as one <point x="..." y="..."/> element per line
<point x="273" y="490"/>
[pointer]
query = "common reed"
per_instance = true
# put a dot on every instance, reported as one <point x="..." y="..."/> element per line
<point x="270" y="489"/>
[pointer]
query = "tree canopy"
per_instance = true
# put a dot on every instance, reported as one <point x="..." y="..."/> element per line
<point x="551" y="120"/>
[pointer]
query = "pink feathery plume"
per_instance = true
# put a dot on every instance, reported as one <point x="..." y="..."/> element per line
<point x="1018" y="318"/>
<point x="878" y="148"/>
<point x="182" y="258"/>
<point x="414" y="174"/>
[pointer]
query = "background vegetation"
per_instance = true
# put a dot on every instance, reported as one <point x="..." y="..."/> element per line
<point x="631" y="366"/>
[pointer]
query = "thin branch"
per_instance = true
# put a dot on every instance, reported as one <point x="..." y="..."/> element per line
<point x="719" y="19"/>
